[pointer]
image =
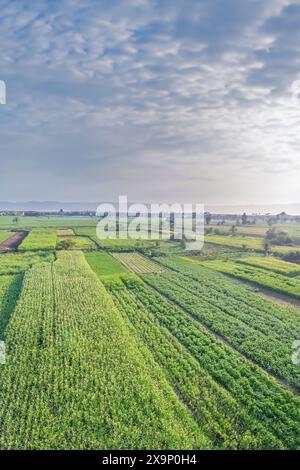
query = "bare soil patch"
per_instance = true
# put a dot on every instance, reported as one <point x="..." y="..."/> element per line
<point x="12" y="243"/>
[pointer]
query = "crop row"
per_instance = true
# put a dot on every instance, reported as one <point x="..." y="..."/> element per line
<point x="224" y="420"/>
<point x="263" y="399"/>
<point x="10" y="287"/>
<point x="272" y="264"/>
<point x="225" y="288"/>
<point x="138" y="263"/>
<point x="267" y="343"/>
<point x="75" y="378"/>
<point x="277" y="282"/>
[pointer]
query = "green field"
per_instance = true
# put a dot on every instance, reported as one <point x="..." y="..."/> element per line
<point x="5" y="235"/>
<point x="73" y="375"/>
<point x="138" y="263"/>
<point x="277" y="282"/>
<point x="272" y="264"/>
<point x="41" y="222"/>
<point x="247" y="243"/>
<point x="14" y="263"/>
<point x="256" y="399"/>
<point x="75" y="243"/>
<point x="154" y="349"/>
<point x="103" y="264"/>
<point x="39" y="239"/>
<point x="262" y="331"/>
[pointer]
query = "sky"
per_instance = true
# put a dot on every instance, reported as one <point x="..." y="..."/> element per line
<point x="162" y="100"/>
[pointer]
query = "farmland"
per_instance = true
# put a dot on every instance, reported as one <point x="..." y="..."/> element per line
<point x="69" y="363"/>
<point x="277" y="282"/>
<point x="138" y="263"/>
<point x="272" y="264"/>
<point x="39" y="239"/>
<point x="247" y="243"/>
<point x="124" y="344"/>
<point x="5" y="235"/>
<point x="75" y="243"/>
<point x="103" y="264"/>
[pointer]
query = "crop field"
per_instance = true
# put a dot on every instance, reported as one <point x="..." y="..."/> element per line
<point x="261" y="331"/>
<point x="117" y="244"/>
<point x="258" y="230"/>
<point x="277" y="282"/>
<point x="75" y="243"/>
<point x="138" y="263"/>
<point x="41" y="222"/>
<point x="39" y="239"/>
<point x="103" y="264"/>
<point x="14" y="263"/>
<point x="190" y="371"/>
<point x="153" y="349"/>
<point x="10" y="287"/>
<point x="249" y="243"/>
<point x="65" y="232"/>
<point x="272" y="264"/>
<point x="66" y="363"/>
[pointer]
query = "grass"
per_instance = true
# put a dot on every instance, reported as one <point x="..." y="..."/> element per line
<point x="103" y="264"/>
<point x="41" y="222"/>
<point x="39" y="239"/>
<point x="5" y="236"/>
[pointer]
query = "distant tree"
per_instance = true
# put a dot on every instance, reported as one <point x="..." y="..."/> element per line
<point x="208" y="218"/>
<point x="65" y="244"/>
<point x="244" y="218"/>
<point x="266" y="247"/>
<point x="16" y="220"/>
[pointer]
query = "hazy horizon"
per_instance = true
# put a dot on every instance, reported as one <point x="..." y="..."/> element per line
<point x="291" y="209"/>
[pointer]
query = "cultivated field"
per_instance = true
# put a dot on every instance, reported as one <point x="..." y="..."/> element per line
<point x="130" y="344"/>
<point x="39" y="239"/>
<point x="137" y="263"/>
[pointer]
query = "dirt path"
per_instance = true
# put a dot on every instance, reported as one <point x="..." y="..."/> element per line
<point x="279" y="299"/>
<point x="12" y="243"/>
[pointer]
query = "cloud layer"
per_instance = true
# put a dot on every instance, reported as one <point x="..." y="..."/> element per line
<point x="161" y="100"/>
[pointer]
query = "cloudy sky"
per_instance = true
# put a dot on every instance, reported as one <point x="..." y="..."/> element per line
<point x="170" y="100"/>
